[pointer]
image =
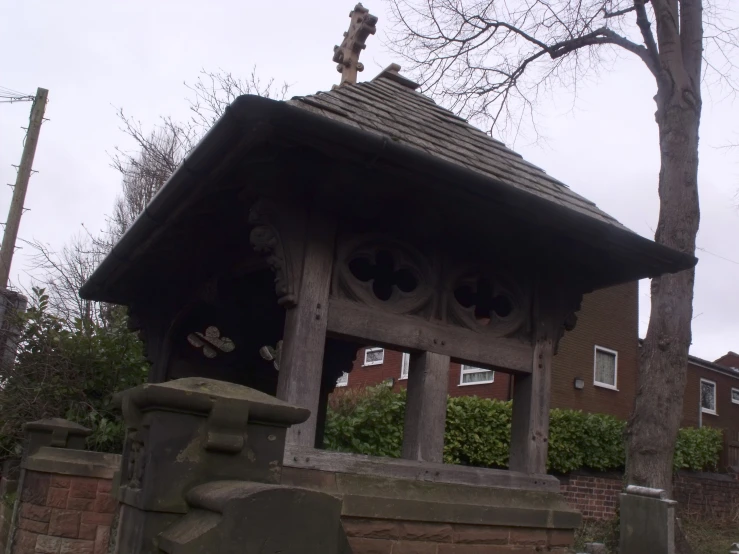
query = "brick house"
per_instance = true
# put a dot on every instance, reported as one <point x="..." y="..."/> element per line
<point x="712" y="393"/>
<point x="594" y="369"/>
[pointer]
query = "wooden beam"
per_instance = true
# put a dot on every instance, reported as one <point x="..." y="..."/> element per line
<point x="348" y="319"/>
<point x="531" y="393"/>
<point x="425" y="409"/>
<point x="301" y="361"/>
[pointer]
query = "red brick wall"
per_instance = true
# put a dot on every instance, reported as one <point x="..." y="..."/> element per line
<point x="700" y="495"/>
<point x="608" y="318"/>
<point x="593" y="496"/>
<point x="63" y="514"/>
<point x="362" y="376"/>
<point x="375" y="536"/>
<point x="727" y="412"/>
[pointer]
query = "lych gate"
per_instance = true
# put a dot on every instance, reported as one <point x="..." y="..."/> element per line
<point x="368" y="215"/>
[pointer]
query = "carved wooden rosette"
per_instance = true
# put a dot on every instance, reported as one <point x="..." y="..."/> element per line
<point x="277" y="236"/>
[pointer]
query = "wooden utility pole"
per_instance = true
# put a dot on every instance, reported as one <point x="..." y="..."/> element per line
<point x="21" y="186"/>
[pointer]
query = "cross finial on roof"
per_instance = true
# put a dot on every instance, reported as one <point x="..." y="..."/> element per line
<point x="347" y="55"/>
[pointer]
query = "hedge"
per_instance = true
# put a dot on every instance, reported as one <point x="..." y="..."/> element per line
<point x="478" y="431"/>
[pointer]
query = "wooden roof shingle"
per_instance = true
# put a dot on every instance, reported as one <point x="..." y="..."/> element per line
<point x="394" y="110"/>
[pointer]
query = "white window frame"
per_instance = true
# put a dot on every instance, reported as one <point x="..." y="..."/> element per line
<point x="373" y="349"/>
<point x="343" y="381"/>
<point x="405" y="363"/>
<point x="597" y="383"/>
<point x="715" y="397"/>
<point x="465" y="369"/>
<point x="734" y="390"/>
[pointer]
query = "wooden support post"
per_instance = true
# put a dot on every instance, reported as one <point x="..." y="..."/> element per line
<point x="301" y="361"/>
<point x="425" y="410"/>
<point x="531" y="394"/>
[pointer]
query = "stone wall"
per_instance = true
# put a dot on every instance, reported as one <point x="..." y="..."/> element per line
<point x="700" y="495"/>
<point x="8" y="491"/>
<point x="378" y="536"/>
<point x="65" y="503"/>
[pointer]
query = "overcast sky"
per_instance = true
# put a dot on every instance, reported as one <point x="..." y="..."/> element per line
<point x="95" y="56"/>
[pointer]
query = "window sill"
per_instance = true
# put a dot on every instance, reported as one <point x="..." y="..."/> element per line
<point x="341" y="385"/>
<point x="476" y="383"/>
<point x="372" y="363"/>
<point x="709" y="412"/>
<point x="403" y="378"/>
<point x="604" y="386"/>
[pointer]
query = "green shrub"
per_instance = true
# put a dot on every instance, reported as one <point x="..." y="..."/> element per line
<point x="698" y="448"/>
<point x="69" y="369"/>
<point x="368" y="421"/>
<point x="478" y="432"/>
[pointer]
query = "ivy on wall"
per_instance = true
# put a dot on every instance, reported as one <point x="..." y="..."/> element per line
<point x="478" y="432"/>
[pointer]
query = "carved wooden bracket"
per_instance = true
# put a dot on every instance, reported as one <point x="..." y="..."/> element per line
<point x="277" y="236"/>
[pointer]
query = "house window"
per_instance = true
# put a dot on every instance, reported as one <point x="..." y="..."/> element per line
<point x="343" y="380"/>
<point x="708" y="397"/>
<point x="374" y="356"/>
<point x="735" y="396"/>
<point x="606" y="368"/>
<point x="471" y="375"/>
<point x="404" y="364"/>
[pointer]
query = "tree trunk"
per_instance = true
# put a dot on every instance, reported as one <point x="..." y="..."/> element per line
<point x="658" y="409"/>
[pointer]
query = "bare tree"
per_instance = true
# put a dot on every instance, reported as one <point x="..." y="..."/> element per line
<point x="492" y="60"/>
<point x="157" y="153"/>
<point x="144" y="170"/>
<point x="63" y="273"/>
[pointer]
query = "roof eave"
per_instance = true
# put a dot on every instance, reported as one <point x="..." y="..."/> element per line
<point x="248" y="112"/>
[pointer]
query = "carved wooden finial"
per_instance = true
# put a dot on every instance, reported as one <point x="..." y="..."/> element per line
<point x="347" y="55"/>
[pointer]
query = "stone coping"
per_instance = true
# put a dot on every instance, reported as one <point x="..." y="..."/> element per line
<point x="358" y="464"/>
<point x="202" y="395"/>
<point x="384" y="498"/>
<point x="82" y="463"/>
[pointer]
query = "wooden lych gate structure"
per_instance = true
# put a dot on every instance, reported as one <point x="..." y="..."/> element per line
<point x="368" y="215"/>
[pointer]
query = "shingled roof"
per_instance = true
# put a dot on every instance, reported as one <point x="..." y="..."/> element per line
<point x="389" y="106"/>
<point x="384" y="123"/>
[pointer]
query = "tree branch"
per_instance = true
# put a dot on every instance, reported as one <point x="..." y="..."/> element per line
<point x="645" y="27"/>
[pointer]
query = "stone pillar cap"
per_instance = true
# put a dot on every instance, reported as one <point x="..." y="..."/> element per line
<point x="198" y="394"/>
<point x="57" y="424"/>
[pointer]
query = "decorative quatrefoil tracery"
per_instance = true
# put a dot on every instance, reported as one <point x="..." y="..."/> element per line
<point x="385" y="273"/>
<point x="487" y="303"/>
<point x="490" y="304"/>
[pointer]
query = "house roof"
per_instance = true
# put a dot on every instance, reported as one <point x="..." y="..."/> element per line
<point x="383" y="123"/>
<point x="730" y="371"/>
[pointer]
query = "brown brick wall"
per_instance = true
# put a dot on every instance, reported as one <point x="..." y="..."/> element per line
<point x="702" y="496"/>
<point x="595" y="497"/>
<point x="361" y="376"/>
<point x="62" y="514"/>
<point x="608" y="318"/>
<point x="379" y="536"/>
<point x="727" y="412"/>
